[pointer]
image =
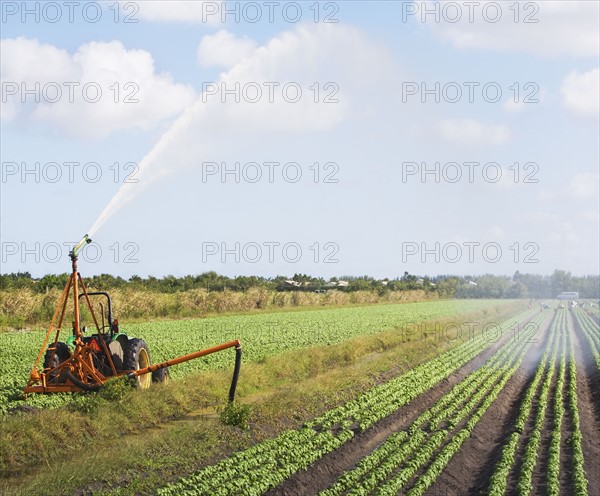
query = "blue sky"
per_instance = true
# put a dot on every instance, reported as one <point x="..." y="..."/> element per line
<point x="368" y="134"/>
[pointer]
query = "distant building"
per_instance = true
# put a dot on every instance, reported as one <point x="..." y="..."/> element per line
<point x="336" y="284"/>
<point x="568" y="295"/>
<point x="296" y="284"/>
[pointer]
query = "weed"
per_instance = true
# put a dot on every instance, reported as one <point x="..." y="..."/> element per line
<point x="236" y="414"/>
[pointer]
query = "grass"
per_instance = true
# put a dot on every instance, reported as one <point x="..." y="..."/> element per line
<point x="22" y="308"/>
<point x="147" y="438"/>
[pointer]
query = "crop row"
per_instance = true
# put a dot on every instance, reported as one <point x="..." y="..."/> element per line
<point x="553" y="470"/>
<point x="580" y="482"/>
<point x="593" y="310"/>
<point x="397" y="460"/>
<point x="268" y="464"/>
<point x="257" y="469"/>
<point x="591" y="331"/>
<point x="589" y="323"/>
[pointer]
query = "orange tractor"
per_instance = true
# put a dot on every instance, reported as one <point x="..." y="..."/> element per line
<point x="85" y="362"/>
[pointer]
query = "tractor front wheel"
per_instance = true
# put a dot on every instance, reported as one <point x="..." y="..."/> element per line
<point x="54" y="357"/>
<point x="161" y="375"/>
<point x="136" y="356"/>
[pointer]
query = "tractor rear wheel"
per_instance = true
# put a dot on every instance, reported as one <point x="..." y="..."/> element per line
<point x="136" y="356"/>
<point x="53" y="358"/>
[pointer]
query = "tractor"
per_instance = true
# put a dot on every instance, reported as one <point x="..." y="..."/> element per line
<point x="84" y="361"/>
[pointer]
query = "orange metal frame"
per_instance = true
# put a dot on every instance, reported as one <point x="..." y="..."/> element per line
<point x="79" y="368"/>
<point x="78" y="372"/>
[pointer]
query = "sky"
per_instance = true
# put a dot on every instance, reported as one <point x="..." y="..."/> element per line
<point x="328" y="138"/>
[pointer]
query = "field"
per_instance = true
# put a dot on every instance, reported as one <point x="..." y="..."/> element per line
<point x="262" y="335"/>
<point x="440" y="397"/>
<point x="451" y="426"/>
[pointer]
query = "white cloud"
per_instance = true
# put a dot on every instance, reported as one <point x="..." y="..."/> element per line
<point x="582" y="186"/>
<point x="558" y="229"/>
<point x="186" y="11"/>
<point x="470" y="133"/>
<point x="335" y="54"/>
<point x="101" y="88"/>
<point x="341" y="57"/>
<point x="581" y="92"/>
<point x="585" y="185"/>
<point x="224" y="49"/>
<point x="513" y="107"/>
<point x="591" y="216"/>
<point x="496" y="233"/>
<point x="562" y="27"/>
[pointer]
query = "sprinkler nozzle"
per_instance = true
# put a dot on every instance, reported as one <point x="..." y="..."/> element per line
<point x="75" y="251"/>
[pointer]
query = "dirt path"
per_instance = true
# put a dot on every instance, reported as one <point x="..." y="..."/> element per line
<point x="326" y="471"/>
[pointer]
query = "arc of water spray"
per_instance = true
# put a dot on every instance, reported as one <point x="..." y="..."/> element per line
<point x="129" y="190"/>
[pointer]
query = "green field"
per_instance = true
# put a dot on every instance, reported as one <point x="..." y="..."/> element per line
<point x="371" y="399"/>
<point x="411" y="460"/>
<point x="262" y="335"/>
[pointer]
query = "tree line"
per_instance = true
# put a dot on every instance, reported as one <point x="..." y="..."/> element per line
<point x="483" y="286"/>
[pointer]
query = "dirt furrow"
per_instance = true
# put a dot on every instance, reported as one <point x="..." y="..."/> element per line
<point x="566" y="449"/>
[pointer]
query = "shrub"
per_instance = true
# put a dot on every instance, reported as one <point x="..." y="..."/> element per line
<point x="236" y="414"/>
<point x="116" y="388"/>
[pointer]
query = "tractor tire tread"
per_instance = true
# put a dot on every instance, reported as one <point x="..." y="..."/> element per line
<point x="61" y="354"/>
<point x="131" y="355"/>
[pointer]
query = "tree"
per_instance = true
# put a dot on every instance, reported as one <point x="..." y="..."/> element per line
<point x="517" y="290"/>
<point x="560" y="282"/>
